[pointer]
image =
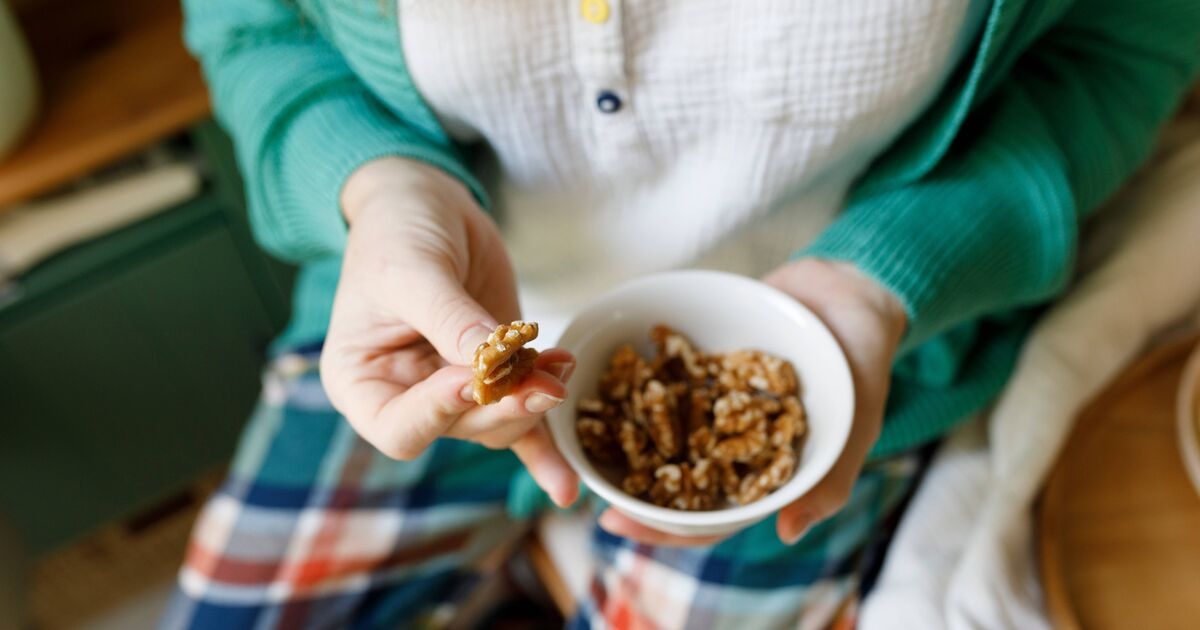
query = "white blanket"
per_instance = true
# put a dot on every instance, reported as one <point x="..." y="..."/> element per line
<point x="963" y="556"/>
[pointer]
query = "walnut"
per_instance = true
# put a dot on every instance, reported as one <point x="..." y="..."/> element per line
<point x="633" y="443"/>
<point x="594" y="407"/>
<point x="712" y="364"/>
<point x="738" y="411"/>
<point x="729" y="478"/>
<point x="675" y="486"/>
<point x="660" y="414"/>
<point x="745" y="446"/>
<point x="598" y="440"/>
<point x="695" y="431"/>
<point x="789" y="424"/>
<point x="669" y="479"/>
<point x="700" y="404"/>
<point x="501" y="362"/>
<point x="756" y="485"/>
<point x="706" y="476"/>
<point x="701" y="443"/>
<point x="758" y="461"/>
<point x="637" y="482"/>
<point x="636" y="445"/>
<point x="627" y="371"/>
<point x="744" y="370"/>
<point x="672" y="345"/>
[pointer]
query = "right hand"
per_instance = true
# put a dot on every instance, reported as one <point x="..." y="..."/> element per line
<point x="425" y="279"/>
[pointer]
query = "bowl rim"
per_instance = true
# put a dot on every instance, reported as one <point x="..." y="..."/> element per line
<point x="761" y="508"/>
<point x="1186" y="417"/>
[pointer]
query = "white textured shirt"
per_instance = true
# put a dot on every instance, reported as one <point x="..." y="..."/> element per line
<point x="639" y="135"/>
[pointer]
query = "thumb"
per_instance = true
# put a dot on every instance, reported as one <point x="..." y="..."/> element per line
<point x="442" y="311"/>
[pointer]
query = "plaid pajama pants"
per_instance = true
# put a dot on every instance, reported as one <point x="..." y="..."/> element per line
<point x="315" y="529"/>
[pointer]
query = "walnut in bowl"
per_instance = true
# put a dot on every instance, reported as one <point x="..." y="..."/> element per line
<point x="690" y="430"/>
<point x="725" y="315"/>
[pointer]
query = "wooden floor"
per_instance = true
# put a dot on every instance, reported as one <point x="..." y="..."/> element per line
<point x="83" y="583"/>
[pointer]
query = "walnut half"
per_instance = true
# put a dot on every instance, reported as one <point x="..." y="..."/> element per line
<point x="502" y="361"/>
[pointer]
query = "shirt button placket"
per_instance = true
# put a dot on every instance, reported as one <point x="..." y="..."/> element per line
<point x="599" y="61"/>
<point x="594" y="11"/>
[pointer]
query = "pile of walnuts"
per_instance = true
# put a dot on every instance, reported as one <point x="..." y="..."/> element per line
<point x="695" y="431"/>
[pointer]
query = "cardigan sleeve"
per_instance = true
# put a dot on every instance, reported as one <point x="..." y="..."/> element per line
<point x="300" y="119"/>
<point x="994" y="226"/>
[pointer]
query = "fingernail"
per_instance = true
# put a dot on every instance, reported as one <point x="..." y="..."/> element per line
<point x="568" y="498"/>
<point x="791" y="540"/>
<point x="467" y="393"/>
<point x="606" y="521"/>
<point x="562" y="370"/>
<point x="541" y="403"/>
<point x="470" y="340"/>
<point x="560" y="489"/>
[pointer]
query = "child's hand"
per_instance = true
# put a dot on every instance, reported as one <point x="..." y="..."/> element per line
<point x="424" y="281"/>
<point x="868" y="322"/>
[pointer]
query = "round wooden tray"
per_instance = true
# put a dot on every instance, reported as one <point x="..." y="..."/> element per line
<point x="1119" y="529"/>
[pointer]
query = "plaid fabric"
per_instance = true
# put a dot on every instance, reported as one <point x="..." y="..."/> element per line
<point x="315" y="529"/>
<point x="751" y="580"/>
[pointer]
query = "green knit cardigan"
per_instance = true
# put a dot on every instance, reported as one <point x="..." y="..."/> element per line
<point x="972" y="217"/>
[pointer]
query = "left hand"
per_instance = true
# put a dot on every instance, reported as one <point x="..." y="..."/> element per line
<point x="868" y="321"/>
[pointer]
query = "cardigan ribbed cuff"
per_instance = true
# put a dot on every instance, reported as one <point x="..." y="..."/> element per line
<point x="301" y="175"/>
<point x="968" y="240"/>
<point x="986" y="232"/>
<point x="303" y="122"/>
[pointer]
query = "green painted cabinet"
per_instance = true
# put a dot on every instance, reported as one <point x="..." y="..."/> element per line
<point x="129" y="364"/>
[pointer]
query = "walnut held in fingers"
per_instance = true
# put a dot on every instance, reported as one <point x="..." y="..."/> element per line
<point x="502" y="361"/>
<point x="695" y="431"/>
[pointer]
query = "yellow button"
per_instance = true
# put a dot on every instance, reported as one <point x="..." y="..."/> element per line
<point x="594" y="11"/>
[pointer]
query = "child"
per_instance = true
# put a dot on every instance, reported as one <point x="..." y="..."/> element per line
<point x="913" y="171"/>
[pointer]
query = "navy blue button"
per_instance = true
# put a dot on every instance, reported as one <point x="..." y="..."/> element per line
<point x="608" y="102"/>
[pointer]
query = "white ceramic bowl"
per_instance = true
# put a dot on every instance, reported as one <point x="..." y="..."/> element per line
<point x="1187" y="417"/>
<point x="720" y="312"/>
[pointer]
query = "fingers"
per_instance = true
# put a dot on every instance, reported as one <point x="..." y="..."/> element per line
<point x="519" y="417"/>
<point x="547" y="466"/>
<point x="557" y="362"/>
<point x="832" y="493"/>
<point x="402" y="422"/>
<point x="822" y="502"/>
<point x="537" y="394"/>
<point x="868" y="322"/>
<point x="519" y="421"/>
<point x="829" y="496"/>
<point x="500" y="424"/>
<point x="618" y="524"/>
<point x="441" y="310"/>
